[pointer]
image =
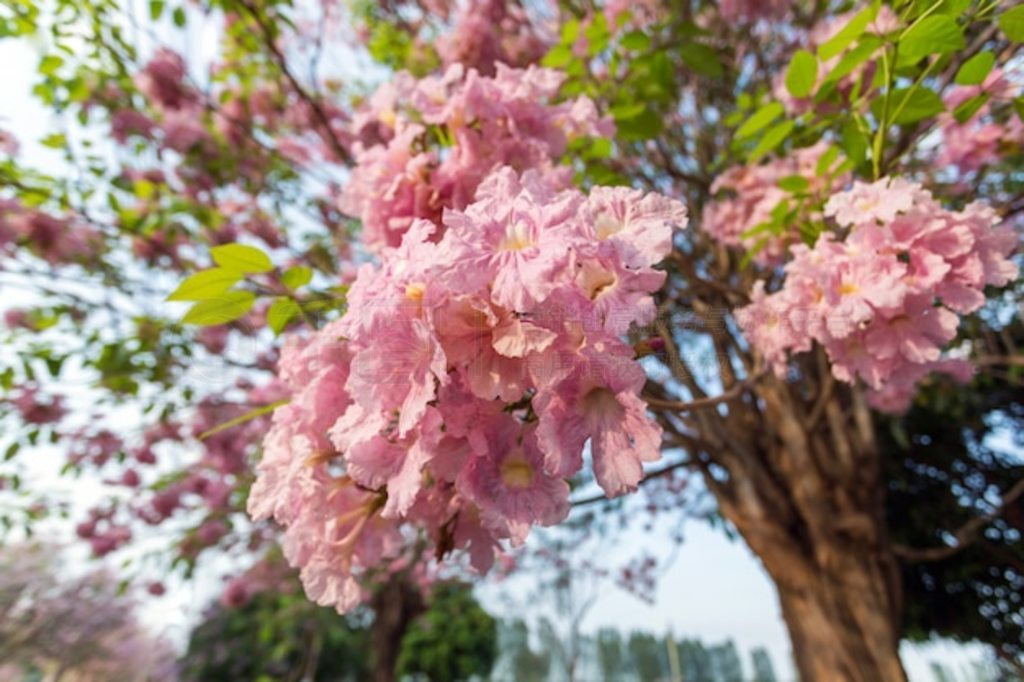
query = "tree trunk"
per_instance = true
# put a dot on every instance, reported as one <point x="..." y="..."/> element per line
<point x="796" y="471"/>
<point x="395" y="605"/>
<point x="840" y="617"/>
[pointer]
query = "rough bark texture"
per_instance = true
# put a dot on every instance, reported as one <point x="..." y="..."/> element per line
<point x="807" y="498"/>
<point x="397" y="603"/>
<point x="794" y="466"/>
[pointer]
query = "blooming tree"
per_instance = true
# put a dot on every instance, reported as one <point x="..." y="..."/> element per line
<point x="549" y="244"/>
<point x="79" y="625"/>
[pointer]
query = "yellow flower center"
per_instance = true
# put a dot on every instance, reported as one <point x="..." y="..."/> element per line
<point x="414" y="291"/>
<point x="595" y="280"/>
<point x="516" y="472"/>
<point x="605" y="226"/>
<point x="517" y="237"/>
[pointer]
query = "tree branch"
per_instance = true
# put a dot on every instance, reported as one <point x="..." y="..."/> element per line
<point x="966" y="534"/>
<point x="658" y="473"/>
<point x="282" y="63"/>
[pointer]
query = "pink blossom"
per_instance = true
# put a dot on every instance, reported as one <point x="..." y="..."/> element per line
<point x="598" y="401"/>
<point x="475" y="361"/>
<point x="884" y="303"/>
<point x="511" y="484"/>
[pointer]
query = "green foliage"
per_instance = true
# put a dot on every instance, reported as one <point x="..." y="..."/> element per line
<point x="760" y="119"/>
<point x="277" y="635"/>
<point x="909" y="105"/>
<point x="1012" y="23"/>
<point x="801" y="74"/>
<point x="975" y="69"/>
<point x="205" y="284"/>
<point x="849" y="33"/>
<point x="242" y="258"/>
<point x="223" y="308"/>
<point x="954" y="452"/>
<point x="937" y="34"/>
<point x="454" y="640"/>
<point x="281" y="312"/>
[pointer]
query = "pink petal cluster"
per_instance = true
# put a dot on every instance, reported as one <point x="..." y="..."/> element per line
<point x="982" y="139"/>
<point x="55" y="239"/>
<point x="460" y="389"/>
<point x="887" y="299"/>
<point x="491" y="32"/>
<point x="747" y="195"/>
<point x="749" y="11"/>
<point x="425" y="145"/>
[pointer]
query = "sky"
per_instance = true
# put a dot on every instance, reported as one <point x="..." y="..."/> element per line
<point x="715" y="589"/>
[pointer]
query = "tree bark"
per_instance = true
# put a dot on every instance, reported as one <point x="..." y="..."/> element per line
<point x="797" y="473"/>
<point x="839" y="617"/>
<point x="395" y="605"/>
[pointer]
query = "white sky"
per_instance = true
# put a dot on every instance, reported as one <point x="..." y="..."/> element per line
<point x="716" y="589"/>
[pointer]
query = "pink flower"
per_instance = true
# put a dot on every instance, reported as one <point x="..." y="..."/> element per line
<point x="514" y="237"/>
<point x="877" y="202"/>
<point x="399" y="372"/>
<point x="884" y="303"/>
<point x="472" y="366"/>
<point x="918" y="332"/>
<point x="599" y="402"/>
<point x="513" y="485"/>
<point x="640" y="226"/>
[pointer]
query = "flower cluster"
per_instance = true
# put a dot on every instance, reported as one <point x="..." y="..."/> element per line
<point x="56" y="240"/>
<point x="425" y="145"/>
<point x="748" y="195"/>
<point x="749" y="11"/>
<point x="459" y="390"/>
<point x="981" y="139"/>
<point x="884" y="301"/>
<point x="491" y="32"/>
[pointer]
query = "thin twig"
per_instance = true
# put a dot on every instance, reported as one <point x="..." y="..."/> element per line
<point x="282" y="63"/>
<point x="966" y="534"/>
<point x="647" y="477"/>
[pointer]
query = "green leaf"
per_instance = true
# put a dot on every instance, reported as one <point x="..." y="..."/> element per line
<point x="49" y="64"/>
<point x="178" y="16"/>
<point x="281" y="312"/>
<point x="801" y="74"/>
<point x="642" y="127"/>
<point x="849" y="33"/>
<point x="975" y="69"/>
<point x="702" y="59"/>
<point x="1018" y="106"/>
<point x="241" y="257"/>
<point x="55" y="141"/>
<point x="794" y="183"/>
<point x="557" y="57"/>
<point x="636" y="41"/>
<point x="205" y="284"/>
<point x="156" y="9"/>
<point x="937" y="34"/>
<point x="909" y="105"/>
<point x="760" y="119"/>
<point x="227" y="307"/>
<point x="826" y="160"/>
<point x="772" y="139"/>
<point x="628" y="110"/>
<point x="965" y="111"/>
<point x="1012" y="23"/>
<point x="296" y="277"/>
<point x="854" y="58"/>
